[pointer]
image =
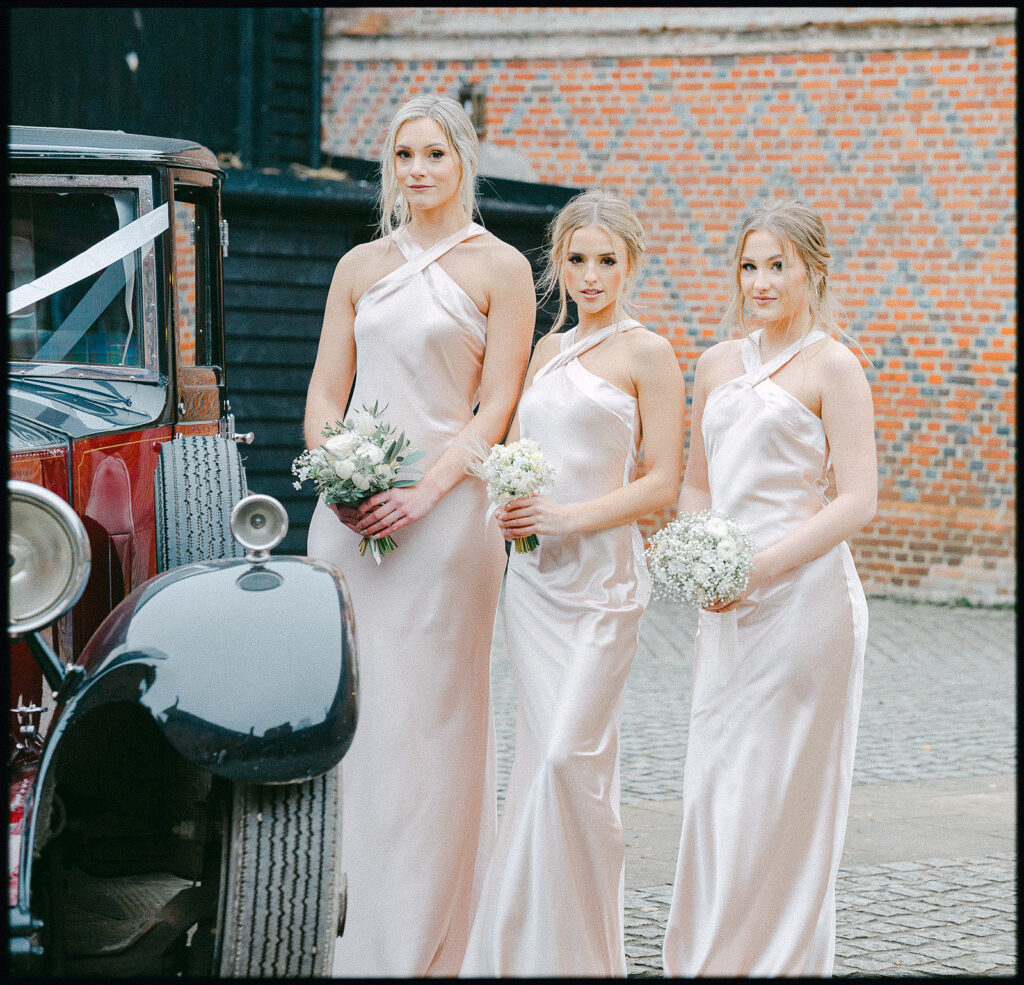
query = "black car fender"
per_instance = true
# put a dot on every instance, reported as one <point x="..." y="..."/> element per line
<point x="248" y="669"/>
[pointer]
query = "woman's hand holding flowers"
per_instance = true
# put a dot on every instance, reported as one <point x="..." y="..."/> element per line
<point x="357" y="471"/>
<point x="386" y="512"/>
<point x="759" y="576"/>
<point x="537" y="515"/>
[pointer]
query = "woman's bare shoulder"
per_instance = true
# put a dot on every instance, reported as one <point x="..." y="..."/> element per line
<point x="835" y="357"/>
<point x="720" y="353"/>
<point x="547" y="347"/>
<point x="365" y="264"/>
<point x="649" y="344"/>
<point x="503" y="256"/>
<point x="375" y="251"/>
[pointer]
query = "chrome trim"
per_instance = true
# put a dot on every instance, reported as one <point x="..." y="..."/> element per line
<point x="52" y="503"/>
<point x="259" y="523"/>
<point x="83" y="371"/>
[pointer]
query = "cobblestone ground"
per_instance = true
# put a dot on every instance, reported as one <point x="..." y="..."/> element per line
<point x="939" y="703"/>
<point x="929" y="917"/>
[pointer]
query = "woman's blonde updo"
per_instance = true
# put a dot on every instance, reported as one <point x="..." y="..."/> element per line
<point x="801" y="230"/>
<point x="593" y="208"/>
<point x="458" y="130"/>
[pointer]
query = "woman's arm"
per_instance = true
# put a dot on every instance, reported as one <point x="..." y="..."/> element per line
<point x="510" y="317"/>
<point x="543" y="352"/>
<point x="661" y="403"/>
<point x="848" y="418"/>
<point x="695" y="494"/>
<point x="335" y="366"/>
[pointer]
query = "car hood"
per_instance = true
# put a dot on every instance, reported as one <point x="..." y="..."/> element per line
<point x="78" y="408"/>
<point x="25" y="435"/>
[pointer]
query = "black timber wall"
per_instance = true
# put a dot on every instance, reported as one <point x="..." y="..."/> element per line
<point x="243" y="81"/>
<point x="286" y="236"/>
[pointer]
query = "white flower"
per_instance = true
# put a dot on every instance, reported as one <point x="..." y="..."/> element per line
<point x="717" y="527"/>
<point x="344" y="468"/>
<point x="688" y="563"/>
<point x="364" y="422"/>
<point x="511" y="471"/>
<point x="341" y="445"/>
<point x="350" y="466"/>
<point x="370" y="451"/>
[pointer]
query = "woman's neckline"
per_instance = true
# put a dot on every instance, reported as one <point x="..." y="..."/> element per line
<point x="407" y="233"/>
<point x="594" y="332"/>
<point x="758" y="337"/>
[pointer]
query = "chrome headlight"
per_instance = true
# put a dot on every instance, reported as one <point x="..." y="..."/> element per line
<point x="48" y="557"/>
<point x="259" y="523"/>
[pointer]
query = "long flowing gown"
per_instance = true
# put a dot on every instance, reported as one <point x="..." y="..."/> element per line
<point x="775" y="705"/>
<point x="419" y="803"/>
<point x="551" y="902"/>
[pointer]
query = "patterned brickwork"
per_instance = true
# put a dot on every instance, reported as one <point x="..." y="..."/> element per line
<point x="910" y="156"/>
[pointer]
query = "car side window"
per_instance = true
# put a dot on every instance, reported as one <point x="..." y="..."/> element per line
<point x="198" y="361"/>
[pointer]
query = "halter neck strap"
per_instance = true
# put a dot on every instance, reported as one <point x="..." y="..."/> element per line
<point x="419" y="258"/>
<point x="574" y="349"/>
<point x="756" y="373"/>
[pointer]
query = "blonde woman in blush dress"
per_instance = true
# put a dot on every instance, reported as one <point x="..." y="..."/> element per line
<point x="552" y="896"/>
<point x="435" y="320"/>
<point x="777" y="673"/>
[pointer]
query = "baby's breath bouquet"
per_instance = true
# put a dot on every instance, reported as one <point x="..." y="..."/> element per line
<point x="512" y="471"/>
<point x="700" y="557"/>
<point x="360" y="457"/>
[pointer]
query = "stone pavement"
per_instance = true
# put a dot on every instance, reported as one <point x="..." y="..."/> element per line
<point x="927" y="883"/>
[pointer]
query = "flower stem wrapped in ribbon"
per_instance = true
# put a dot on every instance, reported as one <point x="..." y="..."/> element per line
<point x="700" y="557"/>
<point x="359" y="457"/>
<point x="511" y="472"/>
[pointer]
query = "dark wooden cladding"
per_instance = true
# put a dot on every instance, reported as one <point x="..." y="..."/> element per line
<point x="240" y="80"/>
<point x="287" y="235"/>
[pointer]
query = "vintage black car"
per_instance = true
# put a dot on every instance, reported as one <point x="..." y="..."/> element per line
<point x="180" y="697"/>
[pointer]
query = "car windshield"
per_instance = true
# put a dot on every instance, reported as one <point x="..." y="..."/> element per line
<point x="94" y="319"/>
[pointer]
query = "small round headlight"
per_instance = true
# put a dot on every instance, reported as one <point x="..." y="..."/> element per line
<point x="259" y="523"/>
<point x="48" y="557"/>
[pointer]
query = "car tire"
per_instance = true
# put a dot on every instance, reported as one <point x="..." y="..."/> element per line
<point x="281" y="885"/>
<point x="197" y="483"/>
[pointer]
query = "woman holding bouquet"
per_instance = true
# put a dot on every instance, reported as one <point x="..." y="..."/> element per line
<point x="552" y="896"/>
<point x="777" y="672"/>
<point x="434" y="321"/>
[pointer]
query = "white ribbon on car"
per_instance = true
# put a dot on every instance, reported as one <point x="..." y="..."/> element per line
<point x="100" y="255"/>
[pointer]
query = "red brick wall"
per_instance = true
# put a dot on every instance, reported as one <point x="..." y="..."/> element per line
<point x="910" y="156"/>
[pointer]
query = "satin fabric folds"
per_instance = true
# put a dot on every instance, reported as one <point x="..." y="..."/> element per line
<point x="418" y="783"/>
<point x="775" y="705"/>
<point x="551" y="901"/>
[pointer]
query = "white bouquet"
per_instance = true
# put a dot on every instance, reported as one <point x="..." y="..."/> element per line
<point x="512" y="471"/>
<point x="359" y="458"/>
<point x="700" y="557"/>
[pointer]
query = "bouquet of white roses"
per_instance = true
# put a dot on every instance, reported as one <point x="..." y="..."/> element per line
<point x="700" y="557"/>
<point x="512" y="471"/>
<point x="359" y="458"/>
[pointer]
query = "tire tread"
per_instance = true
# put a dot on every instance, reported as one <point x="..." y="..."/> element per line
<point x="198" y="481"/>
<point x="281" y="915"/>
